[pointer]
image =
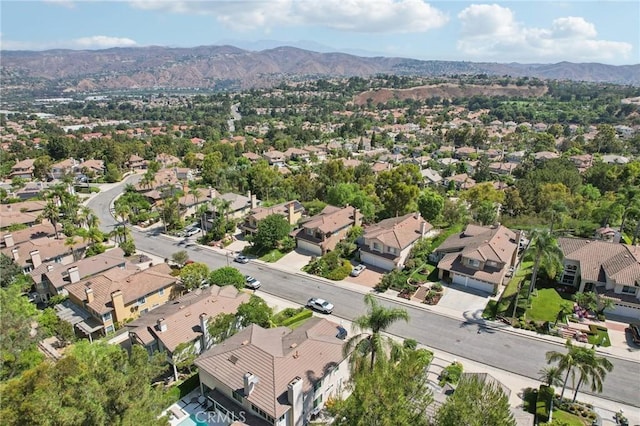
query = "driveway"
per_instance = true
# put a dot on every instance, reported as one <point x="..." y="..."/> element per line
<point x="464" y="301"/>
<point x="370" y="277"/>
<point x="295" y="259"/>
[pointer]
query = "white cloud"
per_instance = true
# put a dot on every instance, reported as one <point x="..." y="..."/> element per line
<point x="93" y="42"/>
<point x="491" y="32"/>
<point x="367" y="16"/>
<point x="69" y="4"/>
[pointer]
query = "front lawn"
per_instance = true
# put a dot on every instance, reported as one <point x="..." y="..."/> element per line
<point x="545" y="305"/>
<point x="504" y="306"/>
<point x="272" y="256"/>
<point x="600" y="338"/>
<point x="565" y="418"/>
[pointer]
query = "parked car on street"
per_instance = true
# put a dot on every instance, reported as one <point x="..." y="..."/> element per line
<point x="241" y="258"/>
<point x="320" y="305"/>
<point x="634" y="330"/>
<point x="251" y="282"/>
<point x="358" y="270"/>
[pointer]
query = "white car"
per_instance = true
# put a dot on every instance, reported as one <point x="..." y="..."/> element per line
<point x="250" y="282"/>
<point x="320" y="305"/>
<point x="358" y="270"/>
<point x="191" y="232"/>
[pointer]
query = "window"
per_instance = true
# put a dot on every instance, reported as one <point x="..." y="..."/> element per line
<point x="317" y="401"/>
<point x="628" y="290"/>
<point x="106" y="317"/>
<point x="377" y="246"/>
<point x="317" y="385"/>
<point x="571" y="268"/>
<point x="474" y="263"/>
<point x="110" y="329"/>
<point x="309" y="231"/>
<point x="142" y="300"/>
<point x="392" y="250"/>
<point x="237" y="396"/>
<point x="161" y="292"/>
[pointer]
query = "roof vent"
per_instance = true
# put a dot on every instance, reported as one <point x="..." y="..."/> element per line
<point x="233" y="359"/>
<point x="296" y="355"/>
<point x="293" y="345"/>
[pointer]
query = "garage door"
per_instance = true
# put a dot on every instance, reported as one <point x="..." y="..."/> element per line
<point x="311" y="248"/>
<point x="473" y="283"/>
<point x="376" y="261"/>
<point x="625" y="311"/>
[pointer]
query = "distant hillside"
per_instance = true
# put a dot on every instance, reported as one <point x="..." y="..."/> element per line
<point x="228" y="67"/>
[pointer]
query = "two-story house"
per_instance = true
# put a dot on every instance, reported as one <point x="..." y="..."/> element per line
<point x="136" y="162"/>
<point x="297" y="154"/>
<point x="387" y="243"/>
<point x="22" y="213"/>
<point x="611" y="270"/>
<point x="275" y="158"/>
<point x="278" y="375"/>
<point x="478" y="258"/>
<point x="119" y="295"/>
<point x="31" y="254"/>
<point x="321" y="233"/>
<point x="290" y="210"/>
<point x="63" y="168"/>
<point x="184" y="321"/>
<point x="23" y="169"/>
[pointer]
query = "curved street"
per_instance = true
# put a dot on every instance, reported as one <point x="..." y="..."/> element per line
<point x="489" y="345"/>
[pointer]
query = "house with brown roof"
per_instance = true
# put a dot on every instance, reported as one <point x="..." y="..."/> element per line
<point x="502" y="168"/>
<point x="321" y="233"/>
<point x="23" y="169"/>
<point x="54" y="280"/>
<point x="118" y="295"/>
<point x="387" y="243"/>
<point x="251" y="156"/>
<point x="611" y="270"/>
<point x="478" y="258"/>
<point x="184" y="321"/>
<point x="297" y="154"/>
<point x="14" y="238"/>
<point x="459" y="181"/>
<point x="93" y="167"/>
<point x="22" y="213"/>
<point x="62" y="168"/>
<point x="136" y="162"/>
<point x="167" y="160"/>
<point x="290" y="210"/>
<point x="278" y="375"/>
<point x="30" y="254"/>
<point x="275" y="158"/>
<point x="239" y="205"/>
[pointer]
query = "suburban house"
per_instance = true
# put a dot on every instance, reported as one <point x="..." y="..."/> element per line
<point x="275" y="158"/>
<point x="31" y="190"/>
<point x="23" y="169"/>
<point x="136" y="162"/>
<point x="292" y="211"/>
<point x="119" y="295"/>
<point x="459" y="181"/>
<point x="62" y="168"/>
<point x="430" y="177"/>
<point x="185" y="320"/>
<point x="56" y="277"/>
<point x="479" y="257"/>
<point x="193" y="199"/>
<point x="91" y="167"/>
<point x="240" y="205"/>
<point x="611" y="270"/>
<point x="502" y="168"/>
<point x="321" y="233"/>
<point x="167" y="160"/>
<point x="22" y="213"/>
<point x="278" y="375"/>
<point x="251" y="156"/>
<point x="14" y="238"/>
<point x="30" y="254"/>
<point x="387" y="243"/>
<point x="297" y="154"/>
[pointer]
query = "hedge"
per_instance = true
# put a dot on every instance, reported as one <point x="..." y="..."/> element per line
<point x="298" y="317"/>
<point x="543" y="404"/>
<point x="340" y="273"/>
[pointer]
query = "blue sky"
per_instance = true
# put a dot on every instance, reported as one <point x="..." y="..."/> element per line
<point x="513" y="31"/>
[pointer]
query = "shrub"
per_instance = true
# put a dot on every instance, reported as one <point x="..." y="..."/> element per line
<point x="543" y="404"/>
<point x="341" y="272"/>
<point x="297" y="318"/>
<point x="436" y="287"/>
<point x="451" y="373"/>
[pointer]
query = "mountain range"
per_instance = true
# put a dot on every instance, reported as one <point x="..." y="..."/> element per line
<point x="229" y="67"/>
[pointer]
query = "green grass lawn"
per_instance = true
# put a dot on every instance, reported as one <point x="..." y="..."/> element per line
<point x="272" y="256"/>
<point x="546" y="304"/>
<point x="600" y="339"/>
<point x="566" y="418"/>
<point x="504" y="307"/>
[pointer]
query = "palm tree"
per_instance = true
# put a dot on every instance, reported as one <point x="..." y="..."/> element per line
<point x="52" y="213"/>
<point x="545" y="251"/>
<point x="71" y="242"/>
<point x="555" y="211"/>
<point x="123" y="211"/>
<point x="550" y="376"/>
<point x="566" y="362"/>
<point x="372" y="343"/>
<point x="629" y="199"/>
<point x="592" y="369"/>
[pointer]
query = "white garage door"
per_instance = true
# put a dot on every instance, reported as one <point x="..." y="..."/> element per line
<point x="311" y="248"/>
<point x="625" y="311"/>
<point x="472" y="283"/>
<point x="376" y="261"/>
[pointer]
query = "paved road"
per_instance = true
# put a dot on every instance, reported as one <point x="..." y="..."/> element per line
<point x="500" y="349"/>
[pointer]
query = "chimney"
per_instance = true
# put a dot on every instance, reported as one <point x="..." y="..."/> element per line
<point x="206" y="338"/>
<point x="50" y="268"/>
<point x="162" y="325"/>
<point x="117" y="300"/>
<point x="89" y="293"/>
<point x="423" y="228"/>
<point x="250" y="382"/>
<point x="35" y="258"/>
<point x="294" y="397"/>
<point x="74" y="274"/>
<point x="254" y="201"/>
<point x="290" y="212"/>
<point x="8" y="240"/>
<point x="16" y="255"/>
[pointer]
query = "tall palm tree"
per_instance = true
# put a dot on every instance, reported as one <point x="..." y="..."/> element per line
<point x="551" y="376"/>
<point x="369" y="340"/>
<point x="629" y="199"/>
<point x="545" y="252"/>
<point x="566" y="361"/>
<point x="52" y="213"/>
<point x="123" y="211"/>
<point x="592" y="369"/>
<point x="71" y="242"/>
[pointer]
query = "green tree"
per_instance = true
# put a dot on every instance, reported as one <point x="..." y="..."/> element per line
<point x="430" y="204"/>
<point x="51" y="212"/>
<point x="545" y="252"/>
<point x="193" y="275"/>
<point x="41" y="167"/>
<point x="475" y="402"/>
<point x="227" y="275"/>
<point x="398" y="189"/>
<point x="486" y="213"/>
<point x="183" y="356"/>
<point x="369" y="341"/>
<point x="551" y="376"/>
<point x="565" y="360"/>
<point x="592" y="369"/>
<point x="396" y="393"/>
<point x="180" y="257"/>
<point x="255" y="311"/>
<point x="271" y="230"/>
<point x="112" y="173"/>
<point x="10" y="270"/>
<point x="222" y="326"/>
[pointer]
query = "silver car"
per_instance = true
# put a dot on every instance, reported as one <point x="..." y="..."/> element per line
<point x="250" y="282"/>
<point x="320" y="305"/>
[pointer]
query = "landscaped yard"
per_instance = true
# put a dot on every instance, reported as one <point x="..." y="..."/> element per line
<point x="601" y="338"/>
<point x="504" y="307"/>
<point x="566" y="418"/>
<point x="272" y="256"/>
<point x="545" y="305"/>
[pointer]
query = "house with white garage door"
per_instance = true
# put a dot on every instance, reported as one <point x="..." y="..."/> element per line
<point x="478" y="258"/>
<point x="321" y="233"/>
<point x="387" y="244"/>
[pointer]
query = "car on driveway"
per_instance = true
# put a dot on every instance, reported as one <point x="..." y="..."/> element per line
<point x="191" y="232"/>
<point x="358" y="270"/>
<point x="251" y="282"/>
<point x="320" y="305"/>
<point x="241" y="258"/>
<point x="634" y="330"/>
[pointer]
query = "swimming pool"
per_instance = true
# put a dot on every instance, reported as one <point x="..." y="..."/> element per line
<point x="192" y="420"/>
